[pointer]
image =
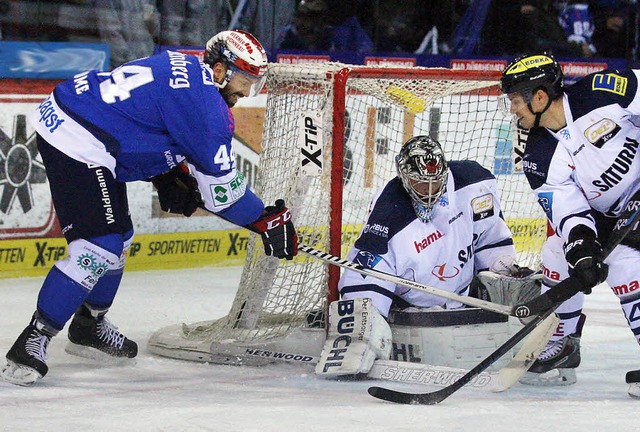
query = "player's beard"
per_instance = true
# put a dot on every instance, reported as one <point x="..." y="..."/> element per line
<point x="231" y="98"/>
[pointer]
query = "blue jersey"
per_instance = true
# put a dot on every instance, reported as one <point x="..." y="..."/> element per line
<point x="578" y="25"/>
<point x="145" y="117"/>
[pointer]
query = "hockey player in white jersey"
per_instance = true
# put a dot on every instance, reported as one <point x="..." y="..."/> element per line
<point x="164" y="118"/>
<point x="437" y="223"/>
<point x="581" y="162"/>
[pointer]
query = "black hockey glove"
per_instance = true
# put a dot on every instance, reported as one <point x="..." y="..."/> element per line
<point x="178" y="191"/>
<point x="278" y="234"/>
<point x="583" y="253"/>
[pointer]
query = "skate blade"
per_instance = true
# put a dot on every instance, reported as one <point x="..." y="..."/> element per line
<point x="97" y="355"/>
<point x="552" y="378"/>
<point x="19" y="374"/>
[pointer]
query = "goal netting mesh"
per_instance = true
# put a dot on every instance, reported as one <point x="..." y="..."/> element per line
<point x="330" y="136"/>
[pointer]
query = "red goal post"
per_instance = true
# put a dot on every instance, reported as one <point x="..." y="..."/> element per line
<point x="330" y="137"/>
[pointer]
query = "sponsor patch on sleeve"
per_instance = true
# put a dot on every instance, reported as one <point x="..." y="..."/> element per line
<point x="226" y="194"/>
<point x="610" y="82"/>
<point x="482" y="207"/>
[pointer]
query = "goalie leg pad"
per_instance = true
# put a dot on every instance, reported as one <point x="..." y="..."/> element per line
<point x="358" y="335"/>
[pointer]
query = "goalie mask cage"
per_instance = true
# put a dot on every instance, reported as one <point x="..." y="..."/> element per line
<point x="330" y="138"/>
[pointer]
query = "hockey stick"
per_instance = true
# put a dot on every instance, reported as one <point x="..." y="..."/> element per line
<point x="340" y="262"/>
<point x="438" y="396"/>
<point x="561" y="292"/>
<point x="418" y="373"/>
<point x="571" y="286"/>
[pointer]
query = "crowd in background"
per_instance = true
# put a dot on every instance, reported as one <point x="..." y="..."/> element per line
<point x="133" y="28"/>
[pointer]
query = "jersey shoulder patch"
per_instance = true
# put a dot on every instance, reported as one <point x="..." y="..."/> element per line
<point x="391" y="213"/>
<point x="467" y="172"/>
<point x="600" y="89"/>
<point x="541" y="146"/>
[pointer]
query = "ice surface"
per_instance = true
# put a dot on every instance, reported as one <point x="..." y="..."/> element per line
<point x="159" y="394"/>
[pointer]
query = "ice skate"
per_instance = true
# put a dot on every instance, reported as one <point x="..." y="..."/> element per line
<point x="556" y="365"/>
<point x="633" y="379"/>
<point x="92" y="335"/>
<point x="27" y="358"/>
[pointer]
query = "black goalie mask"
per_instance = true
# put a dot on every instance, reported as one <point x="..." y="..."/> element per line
<point x="423" y="170"/>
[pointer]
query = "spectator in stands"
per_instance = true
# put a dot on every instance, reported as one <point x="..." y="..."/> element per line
<point x="182" y="21"/>
<point x="327" y="25"/>
<point x="531" y="25"/>
<point x="577" y="22"/>
<point x="403" y="28"/>
<point x="611" y="35"/>
<point x="265" y="18"/>
<point x="125" y="26"/>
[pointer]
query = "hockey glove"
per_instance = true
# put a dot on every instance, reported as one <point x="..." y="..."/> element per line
<point x="276" y="228"/>
<point x="178" y="191"/>
<point x="583" y="253"/>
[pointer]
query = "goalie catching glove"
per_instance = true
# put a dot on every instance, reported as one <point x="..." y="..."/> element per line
<point x="276" y="228"/>
<point x="358" y="335"/>
<point x="178" y="191"/>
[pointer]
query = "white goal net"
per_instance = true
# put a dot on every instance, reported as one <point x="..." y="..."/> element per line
<point x="330" y="137"/>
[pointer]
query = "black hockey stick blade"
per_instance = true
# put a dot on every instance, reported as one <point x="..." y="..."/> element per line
<point x="433" y="398"/>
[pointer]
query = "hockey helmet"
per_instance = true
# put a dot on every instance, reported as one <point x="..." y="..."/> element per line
<point x="242" y="53"/>
<point x="526" y="74"/>
<point x="423" y="170"/>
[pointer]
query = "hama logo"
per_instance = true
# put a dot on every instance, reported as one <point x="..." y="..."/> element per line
<point x="610" y="83"/>
<point x="625" y="288"/>
<point x="425" y="242"/>
<point x="550" y="274"/>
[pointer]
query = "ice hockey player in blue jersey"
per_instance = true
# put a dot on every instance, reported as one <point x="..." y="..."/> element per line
<point x="581" y="161"/>
<point x="438" y="223"/>
<point x="166" y="119"/>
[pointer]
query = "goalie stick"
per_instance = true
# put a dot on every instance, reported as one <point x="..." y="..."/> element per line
<point x="418" y="373"/>
<point x="340" y="262"/>
<point x="548" y="302"/>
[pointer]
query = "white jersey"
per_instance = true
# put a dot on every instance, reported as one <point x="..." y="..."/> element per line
<point x="591" y="162"/>
<point x="466" y="234"/>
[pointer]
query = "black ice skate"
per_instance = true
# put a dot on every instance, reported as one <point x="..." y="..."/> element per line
<point x="27" y="358"/>
<point x="556" y="365"/>
<point x="92" y="335"/>
<point x="633" y="379"/>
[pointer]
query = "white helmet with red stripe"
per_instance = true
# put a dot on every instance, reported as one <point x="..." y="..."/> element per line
<point x="241" y="52"/>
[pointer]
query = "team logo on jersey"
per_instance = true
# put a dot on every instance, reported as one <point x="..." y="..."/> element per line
<point x="444" y="272"/>
<point x="482" y="207"/>
<point x="367" y="260"/>
<point x="601" y="132"/>
<point x="545" y="199"/>
<point x="610" y="83"/>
